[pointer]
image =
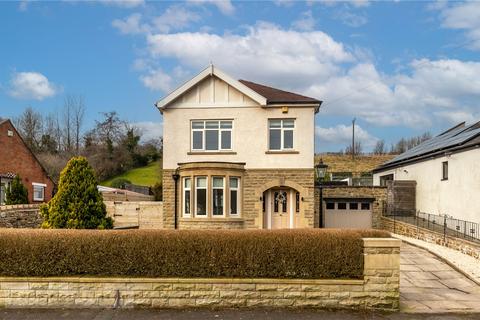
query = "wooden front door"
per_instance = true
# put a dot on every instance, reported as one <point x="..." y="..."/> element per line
<point x="280" y="208"/>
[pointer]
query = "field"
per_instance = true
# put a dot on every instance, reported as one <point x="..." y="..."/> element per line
<point x="143" y="176"/>
<point x="345" y="163"/>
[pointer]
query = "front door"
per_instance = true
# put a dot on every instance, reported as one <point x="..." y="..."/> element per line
<point x="280" y="208"/>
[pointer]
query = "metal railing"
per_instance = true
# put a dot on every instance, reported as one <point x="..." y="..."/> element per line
<point x="444" y="224"/>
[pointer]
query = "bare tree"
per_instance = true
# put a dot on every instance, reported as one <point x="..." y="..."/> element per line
<point x="67" y="122"/>
<point x="78" y="115"/>
<point x="358" y="148"/>
<point x="30" y="125"/>
<point x="380" y="147"/>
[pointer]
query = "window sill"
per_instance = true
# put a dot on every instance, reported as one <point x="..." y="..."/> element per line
<point x="210" y="152"/>
<point x="281" y="152"/>
<point x="216" y="219"/>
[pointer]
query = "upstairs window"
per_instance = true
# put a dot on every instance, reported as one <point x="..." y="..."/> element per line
<point x="280" y="135"/>
<point x="211" y="135"/>
<point x="445" y="170"/>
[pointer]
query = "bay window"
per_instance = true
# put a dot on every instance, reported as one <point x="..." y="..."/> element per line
<point x="201" y="196"/>
<point x="187" y="194"/>
<point x="280" y="135"/>
<point x="234" y="196"/>
<point x="217" y="196"/>
<point x="211" y="135"/>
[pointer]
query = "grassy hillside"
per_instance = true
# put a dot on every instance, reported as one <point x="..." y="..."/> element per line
<point x="345" y="163"/>
<point x="143" y="176"/>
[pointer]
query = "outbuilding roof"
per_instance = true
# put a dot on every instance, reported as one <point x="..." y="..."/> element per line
<point x="455" y="139"/>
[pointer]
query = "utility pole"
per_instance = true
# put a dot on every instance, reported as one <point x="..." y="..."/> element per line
<point x="353" y="138"/>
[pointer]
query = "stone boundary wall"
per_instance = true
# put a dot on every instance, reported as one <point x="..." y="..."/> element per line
<point x="406" y="229"/>
<point x="20" y="216"/>
<point x="141" y="214"/>
<point x="378" y="290"/>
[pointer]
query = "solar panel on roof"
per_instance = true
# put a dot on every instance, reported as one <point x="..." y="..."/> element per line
<point x="456" y="136"/>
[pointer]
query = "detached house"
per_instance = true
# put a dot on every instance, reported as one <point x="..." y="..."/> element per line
<point x="237" y="154"/>
<point x="17" y="158"/>
<point x="446" y="169"/>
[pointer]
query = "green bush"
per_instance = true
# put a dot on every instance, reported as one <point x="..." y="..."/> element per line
<point x="78" y="204"/>
<point x="119" y="183"/>
<point x="17" y="193"/>
<point x="312" y="253"/>
<point x="157" y="191"/>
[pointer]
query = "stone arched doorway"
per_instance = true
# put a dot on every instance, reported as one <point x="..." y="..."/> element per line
<point x="282" y="205"/>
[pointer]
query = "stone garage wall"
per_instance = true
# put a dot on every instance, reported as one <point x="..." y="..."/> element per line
<point x="379" y="289"/>
<point x="356" y="192"/>
<point x="20" y="216"/>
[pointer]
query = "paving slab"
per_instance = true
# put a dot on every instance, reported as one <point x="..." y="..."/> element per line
<point x="431" y="286"/>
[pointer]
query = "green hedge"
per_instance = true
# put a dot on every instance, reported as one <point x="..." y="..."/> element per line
<point x="312" y="253"/>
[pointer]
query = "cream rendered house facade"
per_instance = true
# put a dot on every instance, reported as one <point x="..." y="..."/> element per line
<point x="237" y="155"/>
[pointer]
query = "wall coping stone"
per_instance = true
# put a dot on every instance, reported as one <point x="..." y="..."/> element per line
<point x="185" y="280"/>
<point x="381" y="243"/>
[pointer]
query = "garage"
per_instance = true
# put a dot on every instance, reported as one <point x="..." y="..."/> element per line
<point x="348" y="213"/>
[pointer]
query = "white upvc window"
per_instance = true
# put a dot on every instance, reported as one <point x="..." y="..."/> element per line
<point x="38" y="191"/>
<point x="234" y="186"/>
<point x="187" y="196"/>
<point x="201" y="196"/>
<point x="218" y="196"/>
<point x="280" y="134"/>
<point x="211" y="135"/>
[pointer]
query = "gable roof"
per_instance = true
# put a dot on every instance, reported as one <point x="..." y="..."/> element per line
<point x="275" y="96"/>
<point x="261" y="94"/>
<point x="457" y="138"/>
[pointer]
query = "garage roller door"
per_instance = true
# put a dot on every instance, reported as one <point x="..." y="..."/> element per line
<point x="348" y="214"/>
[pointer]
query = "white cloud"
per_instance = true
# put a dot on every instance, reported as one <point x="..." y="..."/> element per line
<point x="31" y="85"/>
<point x="225" y="6"/>
<point x="305" y="23"/>
<point x="131" y="25"/>
<point x="463" y="16"/>
<point x="128" y="4"/>
<point x="157" y="80"/>
<point x="149" y="129"/>
<point x="294" y="59"/>
<point x="23" y="5"/>
<point x="342" y="135"/>
<point x="351" y="19"/>
<point x="174" y="18"/>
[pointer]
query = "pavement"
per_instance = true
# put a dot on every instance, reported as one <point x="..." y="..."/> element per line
<point x="429" y="285"/>
<point x="152" y="314"/>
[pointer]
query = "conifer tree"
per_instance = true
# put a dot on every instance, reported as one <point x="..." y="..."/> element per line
<point x="78" y="204"/>
<point x="17" y="193"/>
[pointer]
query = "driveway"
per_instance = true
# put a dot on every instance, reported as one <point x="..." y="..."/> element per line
<point x="429" y="285"/>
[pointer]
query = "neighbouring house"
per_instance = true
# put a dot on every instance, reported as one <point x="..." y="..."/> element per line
<point x="17" y="159"/>
<point x="237" y="154"/>
<point x="446" y="169"/>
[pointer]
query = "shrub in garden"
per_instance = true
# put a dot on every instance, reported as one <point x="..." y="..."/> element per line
<point x="78" y="204"/>
<point x="17" y="193"/>
<point x="157" y="191"/>
<point x="120" y="183"/>
<point x="301" y="253"/>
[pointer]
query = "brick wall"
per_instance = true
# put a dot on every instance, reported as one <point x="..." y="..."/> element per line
<point x="410" y="230"/>
<point x="378" y="193"/>
<point x="378" y="290"/>
<point x="15" y="157"/>
<point x="20" y="216"/>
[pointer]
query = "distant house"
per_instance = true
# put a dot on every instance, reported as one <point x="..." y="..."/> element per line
<point x="17" y="159"/>
<point x="446" y="169"/>
<point x="237" y="154"/>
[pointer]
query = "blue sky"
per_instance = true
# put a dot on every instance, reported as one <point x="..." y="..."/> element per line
<point x="400" y="68"/>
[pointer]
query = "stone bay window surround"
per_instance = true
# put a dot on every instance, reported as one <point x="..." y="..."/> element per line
<point x="238" y="154"/>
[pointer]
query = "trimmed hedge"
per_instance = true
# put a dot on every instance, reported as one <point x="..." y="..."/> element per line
<point x="305" y="253"/>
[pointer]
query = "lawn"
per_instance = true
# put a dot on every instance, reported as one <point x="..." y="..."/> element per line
<point x="143" y="176"/>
